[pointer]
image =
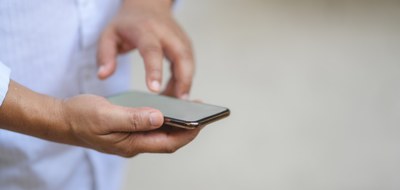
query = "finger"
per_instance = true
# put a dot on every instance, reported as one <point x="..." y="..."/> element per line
<point x="164" y="142"/>
<point x="137" y="119"/>
<point x="181" y="56"/>
<point x="106" y="54"/>
<point x="151" y="51"/>
<point x="198" y="101"/>
<point x="169" y="89"/>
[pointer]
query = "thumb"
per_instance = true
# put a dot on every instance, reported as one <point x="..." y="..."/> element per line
<point x="106" y="54"/>
<point x="138" y="119"/>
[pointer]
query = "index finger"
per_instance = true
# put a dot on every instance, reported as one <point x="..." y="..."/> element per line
<point x="164" y="142"/>
<point x="151" y="51"/>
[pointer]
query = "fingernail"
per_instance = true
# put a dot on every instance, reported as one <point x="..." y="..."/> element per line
<point x="155" y="119"/>
<point x="155" y="85"/>
<point x="101" y="69"/>
<point x="185" y="97"/>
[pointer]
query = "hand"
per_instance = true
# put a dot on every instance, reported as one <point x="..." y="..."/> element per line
<point x="95" y="123"/>
<point x="149" y="26"/>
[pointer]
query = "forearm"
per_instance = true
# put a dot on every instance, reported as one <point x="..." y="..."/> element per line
<point x="34" y="114"/>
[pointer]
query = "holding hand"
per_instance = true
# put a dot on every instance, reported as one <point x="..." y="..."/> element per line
<point x="97" y="124"/>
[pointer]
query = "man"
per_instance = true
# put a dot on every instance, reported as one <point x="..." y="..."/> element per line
<point x="57" y="50"/>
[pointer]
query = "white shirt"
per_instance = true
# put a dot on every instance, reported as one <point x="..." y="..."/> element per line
<point x="50" y="47"/>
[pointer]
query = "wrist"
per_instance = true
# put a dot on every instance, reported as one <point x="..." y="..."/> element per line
<point x="50" y="122"/>
<point x="34" y="114"/>
<point x="63" y="122"/>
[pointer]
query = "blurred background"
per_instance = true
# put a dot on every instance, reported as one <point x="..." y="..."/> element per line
<point x="314" y="90"/>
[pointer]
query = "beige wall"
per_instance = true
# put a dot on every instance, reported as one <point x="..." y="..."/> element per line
<point x="314" y="89"/>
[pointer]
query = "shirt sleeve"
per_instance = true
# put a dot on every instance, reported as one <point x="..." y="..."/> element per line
<point x="4" y="81"/>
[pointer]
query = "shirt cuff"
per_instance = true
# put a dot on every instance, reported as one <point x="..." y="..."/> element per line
<point x="4" y="81"/>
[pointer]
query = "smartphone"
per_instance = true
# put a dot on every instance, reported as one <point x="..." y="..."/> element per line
<point x="177" y="112"/>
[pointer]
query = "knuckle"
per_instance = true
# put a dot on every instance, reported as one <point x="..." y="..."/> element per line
<point x="151" y="50"/>
<point x="154" y="72"/>
<point x="136" y="121"/>
<point x="184" y="51"/>
<point x="186" y="56"/>
<point x="186" y="46"/>
<point x="149" y="24"/>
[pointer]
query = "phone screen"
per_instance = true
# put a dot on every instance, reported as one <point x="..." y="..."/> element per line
<point x="179" y="111"/>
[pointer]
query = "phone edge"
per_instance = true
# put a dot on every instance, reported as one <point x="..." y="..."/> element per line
<point x="194" y="124"/>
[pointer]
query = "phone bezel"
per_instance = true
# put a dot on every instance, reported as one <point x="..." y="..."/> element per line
<point x="194" y="124"/>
